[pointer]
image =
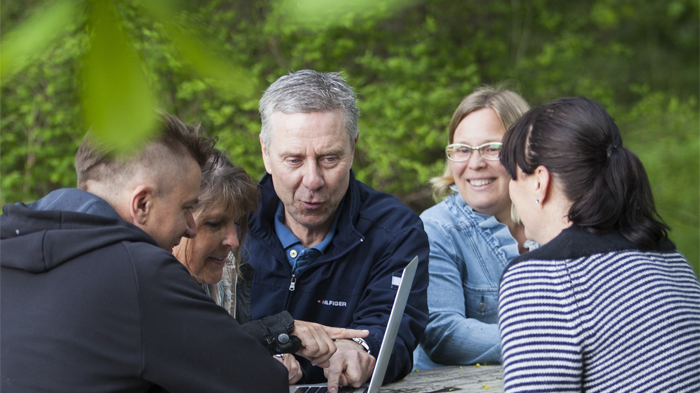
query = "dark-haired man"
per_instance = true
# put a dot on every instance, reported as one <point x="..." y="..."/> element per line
<point x="325" y="246"/>
<point x="92" y="298"/>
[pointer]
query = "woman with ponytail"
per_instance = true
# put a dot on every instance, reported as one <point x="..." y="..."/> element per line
<point x="607" y="303"/>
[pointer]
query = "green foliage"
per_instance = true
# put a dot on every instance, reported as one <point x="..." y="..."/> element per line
<point x="410" y="62"/>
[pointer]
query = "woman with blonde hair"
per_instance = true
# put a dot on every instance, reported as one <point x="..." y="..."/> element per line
<point x="472" y="233"/>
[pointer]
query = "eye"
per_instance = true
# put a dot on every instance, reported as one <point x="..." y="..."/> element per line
<point x="292" y="160"/>
<point x="213" y="224"/>
<point x="464" y="150"/>
<point x="330" y="160"/>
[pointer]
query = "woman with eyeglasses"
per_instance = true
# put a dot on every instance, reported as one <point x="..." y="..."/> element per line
<point x="472" y="234"/>
<point x="607" y="303"/>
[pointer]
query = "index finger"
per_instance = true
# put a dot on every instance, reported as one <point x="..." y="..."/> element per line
<point x="340" y="333"/>
<point x="333" y="375"/>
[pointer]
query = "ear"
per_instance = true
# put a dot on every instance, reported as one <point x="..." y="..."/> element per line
<point x="542" y="183"/>
<point x="141" y="204"/>
<point x="265" y="155"/>
<point x="352" y="149"/>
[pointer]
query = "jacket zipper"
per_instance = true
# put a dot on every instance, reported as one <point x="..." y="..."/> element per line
<point x="293" y="283"/>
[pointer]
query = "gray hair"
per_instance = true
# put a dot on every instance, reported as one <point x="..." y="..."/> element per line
<point x="309" y="91"/>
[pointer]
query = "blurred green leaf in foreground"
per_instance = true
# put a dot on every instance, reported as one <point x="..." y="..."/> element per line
<point x="117" y="101"/>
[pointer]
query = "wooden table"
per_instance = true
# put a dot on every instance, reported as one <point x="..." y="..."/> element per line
<point x="461" y="379"/>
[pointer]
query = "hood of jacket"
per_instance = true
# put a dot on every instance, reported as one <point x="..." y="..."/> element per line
<point x="37" y="240"/>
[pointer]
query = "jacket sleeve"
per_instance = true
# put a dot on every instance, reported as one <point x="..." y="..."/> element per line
<point x="378" y="298"/>
<point x="452" y="337"/>
<point x="189" y="343"/>
<point x="539" y="357"/>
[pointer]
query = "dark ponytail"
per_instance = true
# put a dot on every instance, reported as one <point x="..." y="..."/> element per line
<point x="579" y="143"/>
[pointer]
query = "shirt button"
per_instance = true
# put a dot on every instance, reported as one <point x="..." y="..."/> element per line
<point x="293" y="253"/>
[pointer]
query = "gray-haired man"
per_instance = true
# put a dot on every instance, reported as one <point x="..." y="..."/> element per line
<point x="324" y="245"/>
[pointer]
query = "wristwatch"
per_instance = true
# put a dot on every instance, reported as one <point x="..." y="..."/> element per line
<point x="361" y="342"/>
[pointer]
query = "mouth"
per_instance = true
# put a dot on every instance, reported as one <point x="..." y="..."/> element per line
<point x="311" y="205"/>
<point x="480" y="182"/>
<point x="218" y="260"/>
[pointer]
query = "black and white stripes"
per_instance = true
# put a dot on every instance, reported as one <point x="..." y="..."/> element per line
<point x="618" y="321"/>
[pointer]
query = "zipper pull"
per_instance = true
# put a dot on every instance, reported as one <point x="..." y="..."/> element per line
<point x="293" y="284"/>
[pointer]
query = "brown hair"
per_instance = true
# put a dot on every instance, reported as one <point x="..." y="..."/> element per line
<point x="508" y="105"/>
<point x="224" y="183"/>
<point x="97" y="163"/>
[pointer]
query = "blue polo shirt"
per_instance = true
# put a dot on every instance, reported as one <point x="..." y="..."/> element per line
<point x="298" y="256"/>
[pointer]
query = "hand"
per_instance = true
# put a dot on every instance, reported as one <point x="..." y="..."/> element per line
<point x="292" y="365"/>
<point x="317" y="340"/>
<point x="350" y="365"/>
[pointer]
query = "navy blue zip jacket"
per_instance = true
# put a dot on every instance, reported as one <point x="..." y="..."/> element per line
<point x="350" y="285"/>
<point x="90" y="303"/>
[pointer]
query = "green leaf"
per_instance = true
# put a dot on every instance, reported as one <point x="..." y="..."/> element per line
<point x="228" y="77"/>
<point x="30" y="39"/>
<point x="321" y="14"/>
<point x="117" y="101"/>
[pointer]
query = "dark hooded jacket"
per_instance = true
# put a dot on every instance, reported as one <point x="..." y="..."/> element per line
<point x="91" y="303"/>
<point x="351" y="284"/>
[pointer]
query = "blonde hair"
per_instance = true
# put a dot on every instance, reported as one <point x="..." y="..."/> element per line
<point x="508" y="105"/>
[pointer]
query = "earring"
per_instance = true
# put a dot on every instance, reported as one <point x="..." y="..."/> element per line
<point x="537" y="200"/>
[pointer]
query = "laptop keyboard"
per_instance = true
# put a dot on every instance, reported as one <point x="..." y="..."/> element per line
<point x="324" y="389"/>
<point x="312" y="389"/>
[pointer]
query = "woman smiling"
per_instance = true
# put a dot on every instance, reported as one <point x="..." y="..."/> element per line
<point x="472" y="234"/>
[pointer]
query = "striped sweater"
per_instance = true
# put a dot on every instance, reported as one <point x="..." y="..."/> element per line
<point x="593" y="313"/>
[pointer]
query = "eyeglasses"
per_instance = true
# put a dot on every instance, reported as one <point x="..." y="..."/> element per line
<point x="458" y="152"/>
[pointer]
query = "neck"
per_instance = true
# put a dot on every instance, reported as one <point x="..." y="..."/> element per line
<point x="113" y="197"/>
<point x="517" y="230"/>
<point x="309" y="236"/>
<point x="556" y="214"/>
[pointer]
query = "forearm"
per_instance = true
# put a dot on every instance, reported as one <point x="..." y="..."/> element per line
<point x="454" y="339"/>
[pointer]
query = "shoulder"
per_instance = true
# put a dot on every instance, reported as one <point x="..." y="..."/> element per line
<point x="452" y="211"/>
<point x="576" y="242"/>
<point x="153" y="264"/>
<point x="384" y="211"/>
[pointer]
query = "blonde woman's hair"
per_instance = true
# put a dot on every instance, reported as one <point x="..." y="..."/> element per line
<point x="508" y="105"/>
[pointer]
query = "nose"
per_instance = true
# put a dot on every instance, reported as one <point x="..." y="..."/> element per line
<point x="313" y="177"/>
<point x="231" y="237"/>
<point x="191" y="228"/>
<point x="475" y="160"/>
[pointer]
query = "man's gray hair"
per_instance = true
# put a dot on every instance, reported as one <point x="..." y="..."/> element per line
<point x="309" y="91"/>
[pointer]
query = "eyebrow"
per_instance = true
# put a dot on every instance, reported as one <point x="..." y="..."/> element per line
<point x="333" y="152"/>
<point x="479" y="144"/>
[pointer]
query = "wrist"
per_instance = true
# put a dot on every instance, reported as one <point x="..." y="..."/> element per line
<point x="361" y="342"/>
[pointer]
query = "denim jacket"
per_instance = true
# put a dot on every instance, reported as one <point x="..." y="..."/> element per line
<point x="468" y="253"/>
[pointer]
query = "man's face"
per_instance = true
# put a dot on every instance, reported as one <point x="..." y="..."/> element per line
<point x="171" y="215"/>
<point x="309" y="158"/>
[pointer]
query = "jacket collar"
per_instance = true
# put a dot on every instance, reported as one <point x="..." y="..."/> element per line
<point x="262" y="224"/>
<point x="575" y="242"/>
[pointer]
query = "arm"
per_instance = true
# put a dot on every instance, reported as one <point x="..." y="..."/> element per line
<point x="452" y="336"/>
<point x="191" y="344"/>
<point x="280" y="333"/>
<point x="372" y="312"/>
<point x="539" y="355"/>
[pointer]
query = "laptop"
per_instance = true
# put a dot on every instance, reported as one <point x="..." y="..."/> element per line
<point x="387" y="347"/>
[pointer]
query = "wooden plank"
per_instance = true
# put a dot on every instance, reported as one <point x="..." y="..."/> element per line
<point x="463" y="379"/>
